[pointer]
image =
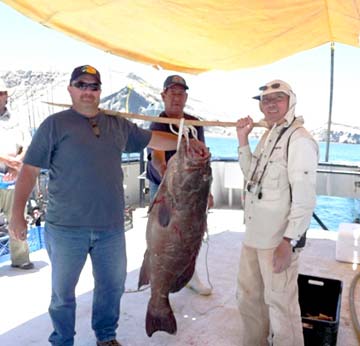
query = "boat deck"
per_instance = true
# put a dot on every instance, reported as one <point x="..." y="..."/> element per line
<point x="211" y="320"/>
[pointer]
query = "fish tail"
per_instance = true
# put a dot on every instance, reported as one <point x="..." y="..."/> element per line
<point x="160" y="319"/>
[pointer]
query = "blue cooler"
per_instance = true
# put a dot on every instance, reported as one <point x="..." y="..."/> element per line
<point x="5" y="184"/>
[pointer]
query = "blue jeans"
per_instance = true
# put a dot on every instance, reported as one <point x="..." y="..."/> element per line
<point x="68" y="250"/>
<point x="153" y="187"/>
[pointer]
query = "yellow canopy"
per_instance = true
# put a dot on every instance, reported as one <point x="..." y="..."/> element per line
<point x="200" y="35"/>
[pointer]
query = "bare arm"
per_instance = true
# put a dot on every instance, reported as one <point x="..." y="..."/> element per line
<point x="24" y="185"/>
<point x="159" y="162"/>
<point x="163" y="141"/>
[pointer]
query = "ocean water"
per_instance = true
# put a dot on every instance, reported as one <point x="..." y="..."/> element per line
<point x="331" y="210"/>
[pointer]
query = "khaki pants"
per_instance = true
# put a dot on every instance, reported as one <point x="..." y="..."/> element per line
<point x="268" y="302"/>
<point x="19" y="250"/>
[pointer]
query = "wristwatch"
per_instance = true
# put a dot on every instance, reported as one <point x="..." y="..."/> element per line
<point x="292" y="242"/>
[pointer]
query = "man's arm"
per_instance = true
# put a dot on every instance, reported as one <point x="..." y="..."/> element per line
<point x="302" y="165"/>
<point x="159" y="161"/>
<point x="164" y="141"/>
<point x="24" y="185"/>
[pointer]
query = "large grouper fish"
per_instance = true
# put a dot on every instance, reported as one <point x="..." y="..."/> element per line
<point x="175" y="229"/>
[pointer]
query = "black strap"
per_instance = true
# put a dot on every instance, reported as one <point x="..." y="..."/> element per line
<point x="283" y="130"/>
<point x="302" y="241"/>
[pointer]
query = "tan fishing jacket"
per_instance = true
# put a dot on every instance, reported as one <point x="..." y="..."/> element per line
<point x="281" y="192"/>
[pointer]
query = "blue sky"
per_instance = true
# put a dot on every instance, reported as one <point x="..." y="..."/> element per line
<point x="29" y="45"/>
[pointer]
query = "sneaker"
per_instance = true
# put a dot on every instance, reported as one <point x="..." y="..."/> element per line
<point x="24" y="266"/>
<point x="196" y="285"/>
<point x="108" y="343"/>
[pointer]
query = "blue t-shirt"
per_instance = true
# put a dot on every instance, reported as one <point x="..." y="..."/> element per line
<point x="85" y="176"/>
<point x="151" y="173"/>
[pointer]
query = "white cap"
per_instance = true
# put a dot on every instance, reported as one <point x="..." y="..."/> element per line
<point x="274" y="86"/>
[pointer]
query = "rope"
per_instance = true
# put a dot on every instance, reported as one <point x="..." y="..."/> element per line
<point x="353" y="313"/>
<point x="184" y="130"/>
<point x="206" y="241"/>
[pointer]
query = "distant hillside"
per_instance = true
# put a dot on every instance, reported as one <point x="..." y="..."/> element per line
<point x="30" y="90"/>
<point x="339" y="133"/>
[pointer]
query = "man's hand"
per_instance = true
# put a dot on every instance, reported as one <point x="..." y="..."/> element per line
<point x="11" y="175"/>
<point x="282" y="256"/>
<point x="243" y="127"/>
<point x="18" y="228"/>
<point x="12" y="162"/>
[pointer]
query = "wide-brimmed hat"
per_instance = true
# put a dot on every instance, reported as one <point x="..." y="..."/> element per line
<point x="274" y="86"/>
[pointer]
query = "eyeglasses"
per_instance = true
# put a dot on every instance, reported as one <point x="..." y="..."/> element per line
<point x="95" y="127"/>
<point x="3" y="93"/>
<point x="272" y="86"/>
<point x="84" y="86"/>
<point x="175" y="92"/>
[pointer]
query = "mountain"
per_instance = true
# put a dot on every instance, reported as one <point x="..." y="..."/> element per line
<point x="30" y="90"/>
<point x="339" y="133"/>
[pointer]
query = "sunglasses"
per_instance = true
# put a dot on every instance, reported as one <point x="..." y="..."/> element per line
<point x="272" y="86"/>
<point x="95" y="127"/>
<point x="3" y="93"/>
<point x="85" y="86"/>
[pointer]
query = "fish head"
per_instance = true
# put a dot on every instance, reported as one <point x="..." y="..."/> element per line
<point x="189" y="171"/>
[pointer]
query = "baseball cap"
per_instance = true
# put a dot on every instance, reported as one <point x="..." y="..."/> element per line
<point x="85" y="69"/>
<point x="175" y="80"/>
<point x="274" y="86"/>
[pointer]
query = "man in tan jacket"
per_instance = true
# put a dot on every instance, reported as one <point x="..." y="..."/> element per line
<point x="279" y="200"/>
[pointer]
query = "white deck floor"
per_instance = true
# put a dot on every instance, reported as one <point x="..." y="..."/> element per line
<point x="201" y="320"/>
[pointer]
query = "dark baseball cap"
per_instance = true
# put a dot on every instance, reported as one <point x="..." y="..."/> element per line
<point x="85" y="69"/>
<point x="175" y="80"/>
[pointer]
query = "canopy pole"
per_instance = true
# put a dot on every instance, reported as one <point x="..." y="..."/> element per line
<point x="332" y="50"/>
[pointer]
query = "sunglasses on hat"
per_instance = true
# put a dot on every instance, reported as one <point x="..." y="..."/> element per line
<point x="272" y="86"/>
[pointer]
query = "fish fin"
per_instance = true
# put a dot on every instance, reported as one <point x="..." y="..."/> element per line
<point x="144" y="278"/>
<point x="183" y="279"/>
<point x="164" y="214"/>
<point x="160" y="319"/>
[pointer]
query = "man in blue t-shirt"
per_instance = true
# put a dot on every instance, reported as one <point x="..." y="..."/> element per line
<point x="82" y="149"/>
<point x="174" y="96"/>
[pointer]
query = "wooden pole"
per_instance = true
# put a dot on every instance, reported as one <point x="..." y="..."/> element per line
<point x="165" y="120"/>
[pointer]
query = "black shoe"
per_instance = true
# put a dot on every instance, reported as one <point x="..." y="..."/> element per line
<point x="24" y="266"/>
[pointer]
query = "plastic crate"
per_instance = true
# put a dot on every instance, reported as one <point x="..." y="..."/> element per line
<point x="35" y="238"/>
<point x="319" y="296"/>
